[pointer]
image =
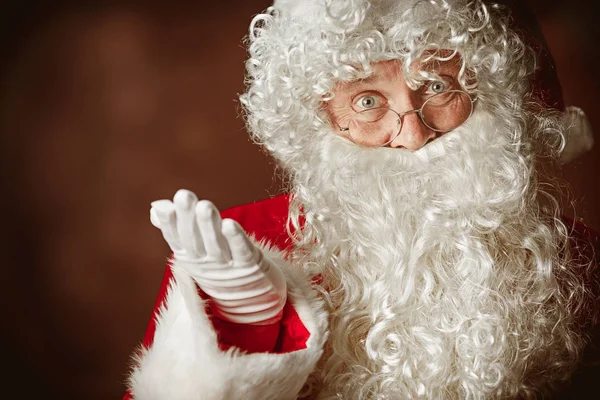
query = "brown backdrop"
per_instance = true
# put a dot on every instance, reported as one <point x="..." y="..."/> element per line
<point x="108" y="106"/>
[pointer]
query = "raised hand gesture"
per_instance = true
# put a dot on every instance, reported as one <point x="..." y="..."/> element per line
<point x="245" y="286"/>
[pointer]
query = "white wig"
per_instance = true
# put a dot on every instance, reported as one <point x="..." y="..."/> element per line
<point x="482" y="206"/>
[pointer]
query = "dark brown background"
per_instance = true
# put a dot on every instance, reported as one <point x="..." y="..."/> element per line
<point x="106" y="106"/>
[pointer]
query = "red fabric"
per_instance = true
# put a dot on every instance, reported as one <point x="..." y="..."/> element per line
<point x="265" y="219"/>
<point x="250" y="338"/>
<point x="285" y="336"/>
<point x="293" y="334"/>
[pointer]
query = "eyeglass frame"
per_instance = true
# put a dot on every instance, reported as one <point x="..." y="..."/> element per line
<point x="419" y="112"/>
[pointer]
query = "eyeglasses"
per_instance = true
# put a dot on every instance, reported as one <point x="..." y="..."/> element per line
<point x="441" y="113"/>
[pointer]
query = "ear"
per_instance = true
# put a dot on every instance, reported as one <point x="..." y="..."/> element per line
<point x="578" y="134"/>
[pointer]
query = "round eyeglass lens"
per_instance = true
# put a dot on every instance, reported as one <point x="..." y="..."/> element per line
<point x="446" y="111"/>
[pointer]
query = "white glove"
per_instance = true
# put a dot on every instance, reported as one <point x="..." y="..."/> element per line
<point x="245" y="286"/>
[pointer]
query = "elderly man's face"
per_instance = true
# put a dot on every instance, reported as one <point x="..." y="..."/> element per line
<point x="382" y="110"/>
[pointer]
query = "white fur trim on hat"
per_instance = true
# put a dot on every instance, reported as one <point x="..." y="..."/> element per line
<point x="578" y="134"/>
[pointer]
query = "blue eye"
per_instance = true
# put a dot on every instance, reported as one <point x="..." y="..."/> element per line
<point x="437" y="87"/>
<point x="367" y="102"/>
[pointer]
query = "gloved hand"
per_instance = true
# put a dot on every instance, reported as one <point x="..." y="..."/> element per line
<point x="245" y="286"/>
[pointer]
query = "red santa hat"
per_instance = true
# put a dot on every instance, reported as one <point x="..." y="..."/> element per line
<point x="578" y="131"/>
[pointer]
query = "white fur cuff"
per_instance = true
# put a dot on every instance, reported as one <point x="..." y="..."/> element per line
<point x="185" y="362"/>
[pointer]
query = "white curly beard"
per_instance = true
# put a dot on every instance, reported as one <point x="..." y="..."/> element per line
<point x="440" y="268"/>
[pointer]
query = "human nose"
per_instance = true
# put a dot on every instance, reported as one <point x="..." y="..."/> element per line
<point x="413" y="133"/>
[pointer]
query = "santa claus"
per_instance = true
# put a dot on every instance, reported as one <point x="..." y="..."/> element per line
<point x="420" y="253"/>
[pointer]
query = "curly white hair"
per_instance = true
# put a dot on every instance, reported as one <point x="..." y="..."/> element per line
<point x="447" y="277"/>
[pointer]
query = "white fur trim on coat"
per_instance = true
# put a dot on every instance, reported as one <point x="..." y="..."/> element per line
<point x="578" y="131"/>
<point x="185" y="362"/>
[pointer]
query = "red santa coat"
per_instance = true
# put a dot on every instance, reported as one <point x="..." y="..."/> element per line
<point x="188" y="354"/>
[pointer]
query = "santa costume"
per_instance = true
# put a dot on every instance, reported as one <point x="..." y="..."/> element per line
<point x="441" y="273"/>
